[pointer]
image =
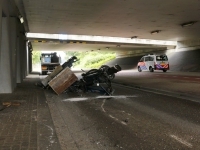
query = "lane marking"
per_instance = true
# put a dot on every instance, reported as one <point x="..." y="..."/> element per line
<point x="181" y="141"/>
<point x="185" y="77"/>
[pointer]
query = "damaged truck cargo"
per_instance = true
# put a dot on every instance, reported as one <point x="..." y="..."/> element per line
<point x="57" y="70"/>
<point x="49" y="61"/>
<point x="95" y="80"/>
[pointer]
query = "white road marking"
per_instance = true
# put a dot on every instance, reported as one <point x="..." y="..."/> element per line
<point x="103" y="105"/>
<point x="181" y="141"/>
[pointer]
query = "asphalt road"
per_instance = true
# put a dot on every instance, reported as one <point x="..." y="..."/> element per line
<point x="131" y="119"/>
<point x="179" y="84"/>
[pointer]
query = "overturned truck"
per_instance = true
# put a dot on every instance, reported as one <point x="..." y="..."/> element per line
<point x="95" y="80"/>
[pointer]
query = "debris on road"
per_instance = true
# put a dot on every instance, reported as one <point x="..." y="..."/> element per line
<point x="8" y="104"/>
<point x="11" y="103"/>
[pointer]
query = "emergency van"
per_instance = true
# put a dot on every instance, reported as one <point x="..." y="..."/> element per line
<point x="153" y="62"/>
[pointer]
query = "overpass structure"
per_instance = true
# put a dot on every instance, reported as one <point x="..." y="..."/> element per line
<point x="130" y="28"/>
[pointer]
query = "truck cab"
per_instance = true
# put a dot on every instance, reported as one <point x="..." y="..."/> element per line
<point x="49" y="61"/>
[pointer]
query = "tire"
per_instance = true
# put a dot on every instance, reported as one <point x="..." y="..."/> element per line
<point x="105" y="67"/>
<point x="151" y="69"/>
<point x="139" y="69"/>
<point x="111" y="77"/>
<point x="164" y="70"/>
<point x="44" y="72"/>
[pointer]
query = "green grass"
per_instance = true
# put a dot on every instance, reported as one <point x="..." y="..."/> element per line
<point x="91" y="59"/>
<point x="86" y="60"/>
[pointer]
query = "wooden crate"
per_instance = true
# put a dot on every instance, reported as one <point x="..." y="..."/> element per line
<point x="56" y="71"/>
<point x="63" y="80"/>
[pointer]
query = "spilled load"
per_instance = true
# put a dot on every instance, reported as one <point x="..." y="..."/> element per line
<point x="57" y="70"/>
<point x="95" y="80"/>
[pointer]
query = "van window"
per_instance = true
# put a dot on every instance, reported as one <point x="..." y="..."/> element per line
<point x="162" y="58"/>
<point x="142" y="59"/>
<point x="151" y="59"/>
<point x="146" y="58"/>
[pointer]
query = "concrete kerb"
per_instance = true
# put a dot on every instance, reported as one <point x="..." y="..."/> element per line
<point x="162" y="92"/>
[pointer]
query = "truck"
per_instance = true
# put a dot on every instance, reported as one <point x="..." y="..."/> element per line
<point x="49" y="61"/>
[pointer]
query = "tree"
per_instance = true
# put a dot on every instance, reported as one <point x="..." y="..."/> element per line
<point x="36" y="57"/>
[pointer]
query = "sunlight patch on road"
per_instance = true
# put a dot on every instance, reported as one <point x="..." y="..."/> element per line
<point x="98" y="97"/>
<point x="116" y="97"/>
<point x="77" y="99"/>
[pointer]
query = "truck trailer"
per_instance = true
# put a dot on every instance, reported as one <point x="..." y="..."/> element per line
<point x="49" y="61"/>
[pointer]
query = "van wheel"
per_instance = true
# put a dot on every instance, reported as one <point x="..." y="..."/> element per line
<point x="164" y="70"/>
<point x="151" y="69"/>
<point x="139" y="69"/>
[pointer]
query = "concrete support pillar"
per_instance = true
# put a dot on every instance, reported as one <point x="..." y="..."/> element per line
<point x="6" y="57"/>
<point x="0" y="28"/>
<point x="27" y="57"/>
<point x="24" y="58"/>
<point x="21" y="58"/>
<point x="21" y="55"/>
<point x="13" y="54"/>
<point x="13" y="46"/>
<point x="30" y="61"/>
<point x="19" y="67"/>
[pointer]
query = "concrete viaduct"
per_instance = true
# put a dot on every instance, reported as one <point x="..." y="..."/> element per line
<point x="131" y="28"/>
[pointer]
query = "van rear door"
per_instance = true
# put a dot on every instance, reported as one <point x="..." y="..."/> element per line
<point x="162" y="62"/>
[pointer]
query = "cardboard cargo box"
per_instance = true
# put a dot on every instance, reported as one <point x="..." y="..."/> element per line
<point x="63" y="80"/>
<point x="52" y="75"/>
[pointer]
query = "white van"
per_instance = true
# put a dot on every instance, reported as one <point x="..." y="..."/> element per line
<point x="153" y="62"/>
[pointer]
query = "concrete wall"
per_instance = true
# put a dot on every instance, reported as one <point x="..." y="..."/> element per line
<point x="13" y="54"/>
<point x="188" y="45"/>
